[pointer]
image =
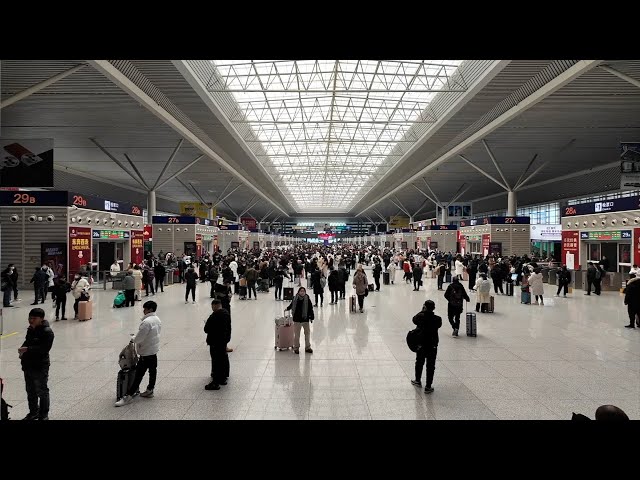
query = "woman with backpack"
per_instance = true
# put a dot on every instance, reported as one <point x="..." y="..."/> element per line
<point x="455" y="295"/>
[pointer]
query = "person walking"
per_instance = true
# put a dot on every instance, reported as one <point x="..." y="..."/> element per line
<point x="360" y="283"/>
<point x="251" y="276"/>
<point x="632" y="300"/>
<point x="496" y="276"/>
<point x="148" y="277"/>
<point x="441" y="271"/>
<point x="159" y="273"/>
<point x="599" y="275"/>
<point x="391" y="268"/>
<point x="334" y="285"/>
<point x="472" y="271"/>
<point x="483" y="296"/>
<point x="7" y="285"/>
<point x="302" y="313"/>
<point x="40" y="282"/>
<point x="35" y="361"/>
<point x="406" y="266"/>
<point x="278" y="280"/>
<point x="455" y="295"/>
<point x="537" y="286"/>
<point x="50" y="281"/>
<point x="564" y="279"/>
<point x="80" y="291"/>
<point x="591" y="277"/>
<point x="317" y="283"/>
<point x="428" y="323"/>
<point x="129" y="287"/>
<point x="218" y="330"/>
<point x="190" y="277"/>
<point x="377" y="271"/>
<point x="417" y="276"/>
<point x="147" y="342"/>
<point x="59" y="292"/>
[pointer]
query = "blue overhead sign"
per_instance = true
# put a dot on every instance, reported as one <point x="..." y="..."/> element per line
<point x="615" y="205"/>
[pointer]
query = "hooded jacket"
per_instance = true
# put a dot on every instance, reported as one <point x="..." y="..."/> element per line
<point x="147" y="339"/>
<point x="38" y="342"/>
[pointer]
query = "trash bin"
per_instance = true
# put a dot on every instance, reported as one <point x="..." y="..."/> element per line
<point x="117" y="280"/>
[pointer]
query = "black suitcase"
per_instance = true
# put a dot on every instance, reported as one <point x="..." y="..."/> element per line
<point x="287" y="293"/>
<point x="385" y="278"/>
<point x="510" y="289"/>
<point x="447" y="277"/>
<point x="471" y="324"/>
<point x="352" y="304"/>
<point x="242" y="292"/>
<point x="370" y="287"/>
<point x="126" y="377"/>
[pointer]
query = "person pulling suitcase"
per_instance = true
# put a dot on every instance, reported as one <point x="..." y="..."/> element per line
<point x="302" y="312"/>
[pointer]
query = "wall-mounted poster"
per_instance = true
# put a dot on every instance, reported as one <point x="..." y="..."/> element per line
<point x="79" y="248"/>
<point x="56" y="253"/>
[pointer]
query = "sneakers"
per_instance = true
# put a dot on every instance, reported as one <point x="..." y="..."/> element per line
<point x="361" y="310"/>
<point x="194" y="302"/>
<point x="455" y="332"/>
<point x="31" y="416"/>
<point x="630" y="326"/>
<point x="416" y="383"/>
<point x="63" y="318"/>
<point x="43" y="418"/>
<point x="186" y="302"/>
<point x="126" y="400"/>
<point x="308" y="350"/>
<point x="212" y="386"/>
<point x="229" y="350"/>
<point x="428" y="389"/>
<point x="57" y="319"/>
<point x="147" y="393"/>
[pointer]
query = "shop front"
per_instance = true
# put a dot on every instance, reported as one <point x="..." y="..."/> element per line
<point x="501" y="236"/>
<point x="546" y="241"/>
<point x="184" y="235"/>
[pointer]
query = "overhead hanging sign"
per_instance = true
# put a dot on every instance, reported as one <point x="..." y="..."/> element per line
<point x="615" y="205"/>
<point x="606" y="235"/>
<point x="398" y="221"/>
<point x="110" y="234"/>
<point x="456" y="211"/>
<point x="195" y="209"/>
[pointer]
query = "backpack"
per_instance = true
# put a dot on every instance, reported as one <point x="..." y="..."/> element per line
<point x="128" y="356"/>
<point x="457" y="297"/>
<point x="119" y="300"/>
<point x="414" y="339"/>
<point x="598" y="274"/>
<point x="4" y="406"/>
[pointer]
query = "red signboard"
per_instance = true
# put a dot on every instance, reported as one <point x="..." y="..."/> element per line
<point x="249" y="222"/>
<point x="636" y="246"/>
<point x="137" y="246"/>
<point x="198" y="245"/>
<point x="463" y="243"/>
<point x="148" y="233"/>
<point x="486" y="238"/>
<point x="571" y="249"/>
<point x="79" y="248"/>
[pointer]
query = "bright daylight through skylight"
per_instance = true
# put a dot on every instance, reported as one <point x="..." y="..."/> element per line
<point x="328" y="130"/>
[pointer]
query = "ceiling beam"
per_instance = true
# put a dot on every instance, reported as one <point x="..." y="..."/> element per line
<point x="121" y="80"/>
<point x="525" y="171"/>
<point x="495" y="163"/>
<point x="533" y="174"/>
<point x="169" y="162"/>
<point x="437" y="202"/>
<point x="221" y="200"/>
<point x="181" y="171"/>
<point x="399" y="205"/>
<point x="461" y="191"/>
<point x="549" y="88"/>
<point x="119" y="163"/>
<point x="621" y="75"/>
<point x="432" y="199"/>
<point x="39" y="86"/>
<point x="135" y="169"/>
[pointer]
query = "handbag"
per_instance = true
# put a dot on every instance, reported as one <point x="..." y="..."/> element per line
<point x="366" y="292"/>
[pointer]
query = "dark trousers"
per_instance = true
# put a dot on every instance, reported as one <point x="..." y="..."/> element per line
<point x="334" y="296"/>
<point x="377" y="280"/>
<point x="160" y="284"/>
<point x="482" y="306"/>
<point x="219" y="363"/>
<point x="150" y="362"/>
<point x="251" y="287"/>
<point x="440" y="281"/>
<point x="596" y="285"/>
<point x="146" y="287"/>
<point x="129" y="298"/>
<point x="278" y="290"/>
<point x="361" y="301"/>
<point x="40" y="293"/>
<point x="632" y="310"/>
<point x="37" y="389"/>
<point x="15" y="293"/>
<point x="321" y="295"/>
<point x="192" y="289"/>
<point x="453" y="313"/>
<point x="181" y="275"/>
<point x="6" y="297"/>
<point x="561" y="286"/>
<point x="416" y="283"/>
<point x="472" y="281"/>
<point x="429" y="354"/>
<point x="61" y="302"/>
<point x="342" y="291"/>
<point x="497" y="285"/>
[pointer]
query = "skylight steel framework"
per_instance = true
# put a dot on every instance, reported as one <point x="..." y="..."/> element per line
<point x="326" y="129"/>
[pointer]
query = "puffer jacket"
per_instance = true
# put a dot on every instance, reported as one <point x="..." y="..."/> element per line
<point x="535" y="281"/>
<point x="38" y="342"/>
<point x="360" y="282"/>
<point x="483" y="288"/>
<point x="147" y="339"/>
<point x="78" y="286"/>
<point x="129" y="283"/>
<point x="137" y="276"/>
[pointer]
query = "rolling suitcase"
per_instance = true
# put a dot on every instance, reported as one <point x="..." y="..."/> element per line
<point x="126" y="376"/>
<point x="385" y="278"/>
<point x="447" y="277"/>
<point x="284" y="332"/>
<point x="287" y="293"/>
<point x="353" y="304"/>
<point x="85" y="310"/>
<point x="510" y="289"/>
<point x="370" y="287"/>
<point x="242" y="292"/>
<point x="471" y="324"/>
<point x="490" y="306"/>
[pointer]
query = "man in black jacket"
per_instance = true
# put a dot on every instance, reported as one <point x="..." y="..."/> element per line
<point x="377" y="270"/>
<point x="218" y="330"/>
<point x="40" y="281"/>
<point x="159" y="272"/>
<point x="190" y="277"/>
<point x="417" y="276"/>
<point x="455" y="295"/>
<point x="632" y="299"/>
<point x="428" y="323"/>
<point x="34" y="356"/>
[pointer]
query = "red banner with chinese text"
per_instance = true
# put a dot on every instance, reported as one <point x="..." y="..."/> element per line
<point x="571" y="249"/>
<point x="79" y="248"/>
<point x="137" y="246"/>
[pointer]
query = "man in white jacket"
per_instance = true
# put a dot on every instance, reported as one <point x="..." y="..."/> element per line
<point x="147" y="342"/>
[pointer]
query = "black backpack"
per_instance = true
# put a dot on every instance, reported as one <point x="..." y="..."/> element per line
<point x="457" y="297"/>
<point x="414" y="339"/>
<point x="4" y="406"/>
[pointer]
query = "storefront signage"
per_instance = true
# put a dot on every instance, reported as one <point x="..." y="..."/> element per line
<point x="636" y="247"/>
<point x="79" y="248"/>
<point x="495" y="221"/>
<point x="615" y="205"/>
<point x="606" y="235"/>
<point x="473" y="238"/>
<point x="571" y="249"/>
<point x="180" y="219"/>
<point x="546" y="232"/>
<point x="111" y="234"/>
<point x="486" y="238"/>
<point x="249" y="222"/>
<point x="137" y="246"/>
<point x="148" y="233"/>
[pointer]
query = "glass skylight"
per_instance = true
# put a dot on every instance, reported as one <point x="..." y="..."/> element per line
<point x="327" y="130"/>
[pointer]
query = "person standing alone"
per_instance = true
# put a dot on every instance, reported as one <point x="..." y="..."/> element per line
<point x="34" y="357"/>
<point x="190" y="277"/>
<point x="632" y="299"/>
<point x="428" y="323"/>
<point x="147" y="342"/>
<point x="302" y="312"/>
<point x="218" y="330"/>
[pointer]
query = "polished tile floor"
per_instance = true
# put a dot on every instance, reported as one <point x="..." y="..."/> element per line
<point x="528" y="362"/>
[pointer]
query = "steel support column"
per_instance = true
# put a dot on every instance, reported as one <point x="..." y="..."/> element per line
<point x="151" y="205"/>
<point x="512" y="204"/>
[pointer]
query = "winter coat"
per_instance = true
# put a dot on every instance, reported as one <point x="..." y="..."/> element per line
<point x="429" y="323"/>
<point x="297" y="307"/>
<point x="535" y="282"/>
<point x="315" y="282"/>
<point x="632" y="294"/>
<point x="483" y="288"/>
<point x="51" y="275"/>
<point x="564" y="277"/>
<point x="190" y="277"/>
<point x="137" y="276"/>
<point x="147" y="339"/>
<point x="459" y="268"/>
<point x="417" y="273"/>
<point x="377" y="270"/>
<point x="38" y="342"/>
<point x="79" y="286"/>
<point x="234" y="268"/>
<point x="450" y="296"/>
<point x="60" y="289"/>
<point x="218" y="328"/>
<point x="360" y="282"/>
<point x="40" y="278"/>
<point x="129" y="283"/>
<point x="334" y="281"/>
<point x="251" y="275"/>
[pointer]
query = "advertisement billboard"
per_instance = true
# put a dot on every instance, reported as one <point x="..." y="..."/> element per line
<point x="546" y="232"/>
<point x="79" y="248"/>
<point x="571" y="249"/>
<point x="56" y="253"/>
<point x="137" y="246"/>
